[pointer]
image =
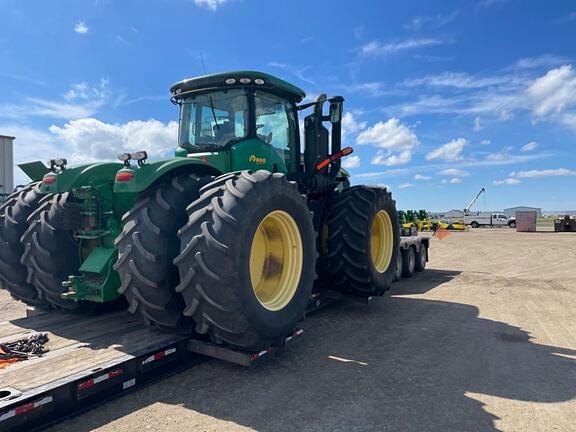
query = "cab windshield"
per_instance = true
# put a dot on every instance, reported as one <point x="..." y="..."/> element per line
<point x="214" y="120"/>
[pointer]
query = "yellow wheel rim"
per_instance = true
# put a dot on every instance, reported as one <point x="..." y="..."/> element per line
<point x="381" y="241"/>
<point x="276" y="260"/>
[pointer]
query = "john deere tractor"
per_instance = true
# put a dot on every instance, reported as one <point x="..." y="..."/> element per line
<point x="227" y="239"/>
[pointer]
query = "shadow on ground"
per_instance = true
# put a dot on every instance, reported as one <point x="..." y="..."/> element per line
<point x="406" y="364"/>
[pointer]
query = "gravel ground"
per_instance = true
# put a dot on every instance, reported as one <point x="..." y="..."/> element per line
<point x="484" y="340"/>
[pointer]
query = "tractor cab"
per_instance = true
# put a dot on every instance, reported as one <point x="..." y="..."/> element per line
<point x="253" y="116"/>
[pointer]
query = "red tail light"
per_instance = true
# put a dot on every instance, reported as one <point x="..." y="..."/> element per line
<point x="124" y="176"/>
<point x="49" y="179"/>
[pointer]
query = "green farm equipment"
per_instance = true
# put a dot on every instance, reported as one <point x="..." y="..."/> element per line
<point x="229" y="238"/>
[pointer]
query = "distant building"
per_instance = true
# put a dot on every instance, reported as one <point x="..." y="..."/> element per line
<point x="511" y="212"/>
<point x="453" y="214"/>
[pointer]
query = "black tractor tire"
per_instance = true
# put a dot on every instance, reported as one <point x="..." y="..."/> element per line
<point x="147" y="247"/>
<point x="216" y="259"/>
<point x="350" y="223"/>
<point x="475" y="224"/>
<point x="421" y="258"/>
<point x="13" y="223"/>
<point x="51" y="253"/>
<point x="398" y="270"/>
<point x="408" y="262"/>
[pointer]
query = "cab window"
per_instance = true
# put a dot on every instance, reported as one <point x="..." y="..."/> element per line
<point x="276" y="124"/>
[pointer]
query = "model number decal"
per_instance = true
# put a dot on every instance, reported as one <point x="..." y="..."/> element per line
<point x="257" y="160"/>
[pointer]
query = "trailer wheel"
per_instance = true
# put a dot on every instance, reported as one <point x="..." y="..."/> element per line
<point x="50" y="252"/>
<point x="247" y="259"/>
<point x="475" y="224"/>
<point x="421" y="258"/>
<point x="13" y="223"/>
<point x="363" y="241"/>
<point x="408" y="262"/>
<point x="398" y="271"/>
<point x="147" y="247"/>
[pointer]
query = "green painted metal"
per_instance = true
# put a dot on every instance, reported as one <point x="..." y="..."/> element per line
<point x="270" y="83"/>
<point x="253" y="154"/>
<point x="35" y="170"/>
<point x="98" y="281"/>
<point x="82" y="175"/>
<point x="147" y="174"/>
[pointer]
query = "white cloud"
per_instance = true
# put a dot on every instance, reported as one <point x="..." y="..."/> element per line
<point x="396" y="141"/>
<point x="478" y="124"/>
<point x="454" y="172"/>
<point x="457" y="80"/>
<point x="529" y="147"/>
<point x="405" y="185"/>
<point x="540" y="61"/>
<point x="434" y="21"/>
<point x="210" y="4"/>
<point x="90" y="139"/>
<point x="376" y="48"/>
<point x="81" y="101"/>
<point x="486" y="142"/>
<point x="558" y="172"/>
<point x="451" y="151"/>
<point x="350" y="125"/>
<point x="351" y="162"/>
<point x="508" y="181"/>
<point x="554" y="92"/>
<point x="454" y="180"/>
<point x="421" y="177"/>
<point x="81" y="28"/>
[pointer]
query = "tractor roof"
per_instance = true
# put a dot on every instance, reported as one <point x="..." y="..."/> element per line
<point x="242" y="78"/>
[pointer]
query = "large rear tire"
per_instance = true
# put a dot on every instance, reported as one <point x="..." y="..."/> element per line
<point x="51" y="253"/>
<point x="147" y="247"/>
<point x="247" y="260"/>
<point x="363" y="241"/>
<point x="13" y="223"/>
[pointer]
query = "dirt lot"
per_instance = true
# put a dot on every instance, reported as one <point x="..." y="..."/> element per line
<point x="484" y="340"/>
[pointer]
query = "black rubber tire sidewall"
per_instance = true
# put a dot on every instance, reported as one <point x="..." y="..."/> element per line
<point x="273" y="324"/>
<point x="408" y="261"/>
<point x="421" y="258"/>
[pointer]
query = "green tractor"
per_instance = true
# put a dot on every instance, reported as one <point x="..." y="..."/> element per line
<point x="229" y="238"/>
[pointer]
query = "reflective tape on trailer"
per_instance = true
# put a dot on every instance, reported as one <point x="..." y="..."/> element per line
<point x="159" y="355"/>
<point x="104" y="377"/>
<point x="26" y="408"/>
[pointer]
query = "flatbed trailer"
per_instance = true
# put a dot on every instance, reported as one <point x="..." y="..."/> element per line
<point x="93" y="359"/>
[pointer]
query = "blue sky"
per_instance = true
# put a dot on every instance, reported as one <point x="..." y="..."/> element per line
<point x="442" y="98"/>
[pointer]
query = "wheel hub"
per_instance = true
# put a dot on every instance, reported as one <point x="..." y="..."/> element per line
<point x="381" y="241"/>
<point x="276" y="260"/>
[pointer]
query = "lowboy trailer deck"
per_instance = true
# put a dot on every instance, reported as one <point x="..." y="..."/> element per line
<point x="93" y="359"/>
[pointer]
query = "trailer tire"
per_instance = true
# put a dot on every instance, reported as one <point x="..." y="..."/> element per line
<point x="13" y="223"/>
<point x="234" y="288"/>
<point x="421" y="258"/>
<point x="398" y="270"/>
<point x="147" y="247"/>
<point x="408" y="262"/>
<point x="475" y="224"/>
<point x="50" y="251"/>
<point x="363" y="241"/>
